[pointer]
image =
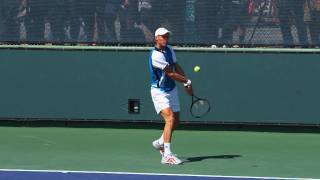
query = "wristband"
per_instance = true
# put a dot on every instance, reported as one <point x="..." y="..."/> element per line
<point x="187" y="84"/>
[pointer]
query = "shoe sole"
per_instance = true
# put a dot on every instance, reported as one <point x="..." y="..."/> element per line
<point x="171" y="163"/>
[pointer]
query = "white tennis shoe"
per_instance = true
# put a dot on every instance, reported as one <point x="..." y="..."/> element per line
<point x="171" y="159"/>
<point x="158" y="146"/>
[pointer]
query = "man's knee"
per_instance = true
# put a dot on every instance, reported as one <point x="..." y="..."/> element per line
<point x="170" y="120"/>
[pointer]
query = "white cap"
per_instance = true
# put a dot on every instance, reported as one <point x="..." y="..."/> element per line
<point x="161" y="31"/>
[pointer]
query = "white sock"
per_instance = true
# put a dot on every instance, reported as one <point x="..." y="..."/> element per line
<point x="167" y="149"/>
<point x="161" y="140"/>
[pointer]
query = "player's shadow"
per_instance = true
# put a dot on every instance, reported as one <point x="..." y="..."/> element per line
<point x="201" y="158"/>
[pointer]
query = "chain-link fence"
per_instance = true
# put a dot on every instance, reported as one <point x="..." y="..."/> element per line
<point x="192" y="22"/>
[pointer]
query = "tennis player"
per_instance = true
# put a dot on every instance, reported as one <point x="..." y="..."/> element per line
<point x="165" y="71"/>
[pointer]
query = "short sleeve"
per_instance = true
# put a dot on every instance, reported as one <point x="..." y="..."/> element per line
<point x="158" y="60"/>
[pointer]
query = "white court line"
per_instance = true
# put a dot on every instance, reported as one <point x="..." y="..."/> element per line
<point x="150" y="174"/>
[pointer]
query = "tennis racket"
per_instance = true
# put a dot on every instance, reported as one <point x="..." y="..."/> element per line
<point x="199" y="107"/>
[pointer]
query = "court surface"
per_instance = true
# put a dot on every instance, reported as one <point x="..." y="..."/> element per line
<point x="126" y="153"/>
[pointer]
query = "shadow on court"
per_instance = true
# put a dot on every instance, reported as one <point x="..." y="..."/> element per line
<point x="201" y="158"/>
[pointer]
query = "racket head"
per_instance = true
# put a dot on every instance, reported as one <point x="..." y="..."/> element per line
<point x="199" y="107"/>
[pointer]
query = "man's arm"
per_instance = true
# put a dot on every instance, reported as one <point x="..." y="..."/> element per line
<point x="178" y="75"/>
<point x="178" y="69"/>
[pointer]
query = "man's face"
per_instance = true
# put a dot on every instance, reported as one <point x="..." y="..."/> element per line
<point x="162" y="40"/>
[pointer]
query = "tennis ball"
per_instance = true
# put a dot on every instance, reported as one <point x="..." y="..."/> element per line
<point x="196" y="68"/>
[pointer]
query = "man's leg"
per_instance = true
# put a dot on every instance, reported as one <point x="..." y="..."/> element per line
<point x="176" y="119"/>
<point x="158" y="144"/>
<point x="171" y="121"/>
<point x="168" y="116"/>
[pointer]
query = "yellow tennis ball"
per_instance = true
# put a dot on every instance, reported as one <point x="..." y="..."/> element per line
<point x="196" y="68"/>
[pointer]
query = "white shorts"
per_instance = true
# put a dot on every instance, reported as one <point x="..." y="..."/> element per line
<point x="163" y="100"/>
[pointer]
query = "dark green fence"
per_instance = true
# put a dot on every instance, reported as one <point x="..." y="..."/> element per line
<point x="244" y="85"/>
<point x="248" y="23"/>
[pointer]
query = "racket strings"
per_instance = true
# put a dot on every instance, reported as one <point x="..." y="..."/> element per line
<point x="200" y="108"/>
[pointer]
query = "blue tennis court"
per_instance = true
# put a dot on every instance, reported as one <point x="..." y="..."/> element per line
<point x="6" y="174"/>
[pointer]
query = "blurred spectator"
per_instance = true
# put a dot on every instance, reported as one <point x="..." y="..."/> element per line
<point x="94" y="18"/>
<point x="9" y="11"/>
<point x="242" y="17"/>
<point x="75" y="12"/>
<point x="57" y="18"/>
<point x="292" y="11"/>
<point x="92" y="14"/>
<point x="234" y="14"/>
<point x="111" y="14"/>
<point x="150" y="13"/>
<point x="88" y="9"/>
<point x="150" y="17"/>
<point x="174" y="12"/>
<point x="88" y="14"/>
<point x="314" y="25"/>
<point x="1" y="20"/>
<point x="207" y="20"/>
<point x="225" y="15"/>
<point x="35" y="22"/>
<point x="130" y="31"/>
<point x="100" y="10"/>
